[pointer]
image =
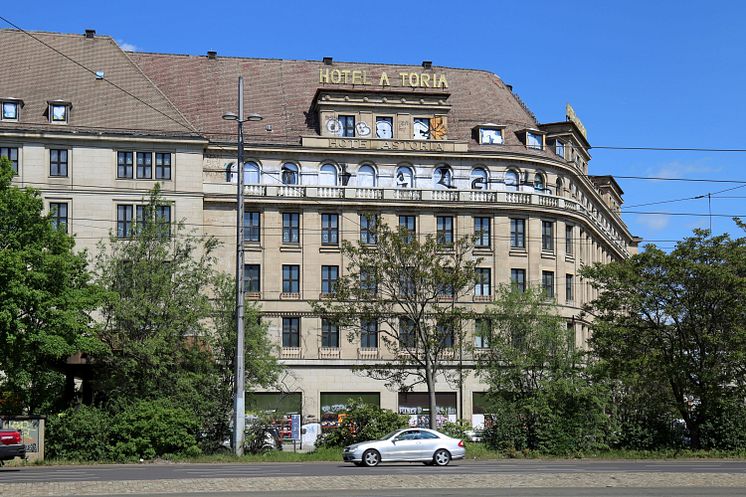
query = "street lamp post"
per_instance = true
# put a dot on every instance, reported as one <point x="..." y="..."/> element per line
<point x="239" y="399"/>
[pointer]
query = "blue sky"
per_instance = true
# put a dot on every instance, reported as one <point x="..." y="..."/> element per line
<point x="639" y="73"/>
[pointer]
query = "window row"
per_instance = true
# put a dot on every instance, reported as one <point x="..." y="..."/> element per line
<point x="56" y="112"/>
<point x="483" y="285"/>
<point x="370" y="331"/>
<point x="353" y="126"/>
<point x="139" y="165"/>
<point x="366" y="176"/>
<point x="131" y="218"/>
<point x="444" y="230"/>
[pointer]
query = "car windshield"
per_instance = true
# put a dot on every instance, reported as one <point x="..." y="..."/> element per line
<point x="389" y="435"/>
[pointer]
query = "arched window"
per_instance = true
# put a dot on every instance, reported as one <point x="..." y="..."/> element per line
<point x="289" y="174"/>
<point x="479" y="179"/>
<point x="442" y="178"/>
<point x="511" y="180"/>
<point x="251" y="174"/>
<point x="539" y="185"/>
<point x="559" y="188"/>
<point x="366" y="176"/>
<point x="404" y="177"/>
<point x="328" y="175"/>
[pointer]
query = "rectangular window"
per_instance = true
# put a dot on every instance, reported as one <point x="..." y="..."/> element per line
<point x="444" y="331"/>
<point x="252" y="278"/>
<point x="407" y="283"/>
<point x="547" y="236"/>
<point x="547" y="283"/>
<point x="10" y="111"/>
<point x="124" y="164"/>
<point x="568" y="240"/>
<point x="58" y="213"/>
<point x="329" y="275"/>
<point x="369" y="334"/>
<point x="144" y="165"/>
<point x="163" y="220"/>
<point x="290" y="278"/>
<point x="10" y="153"/>
<point x="444" y="230"/>
<point x="517" y="233"/>
<point x="291" y="227"/>
<point x="483" y="285"/>
<point x="559" y="148"/>
<point x="124" y="221"/>
<point x="57" y="162"/>
<point x="421" y="128"/>
<point x="368" y="283"/>
<point x="409" y="224"/>
<point x="518" y="279"/>
<point x="407" y="334"/>
<point x="534" y="140"/>
<point x="162" y="165"/>
<point x="329" y="334"/>
<point x="368" y="228"/>
<point x="384" y="127"/>
<point x="482" y="333"/>
<point x="569" y="288"/>
<point x="347" y="124"/>
<point x="291" y="332"/>
<point x="482" y="232"/>
<point x="330" y="229"/>
<point x="251" y="227"/>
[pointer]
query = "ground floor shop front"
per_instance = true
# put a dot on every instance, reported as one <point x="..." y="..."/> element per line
<point x="323" y="395"/>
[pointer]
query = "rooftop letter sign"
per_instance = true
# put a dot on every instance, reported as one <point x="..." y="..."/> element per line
<point x="399" y="79"/>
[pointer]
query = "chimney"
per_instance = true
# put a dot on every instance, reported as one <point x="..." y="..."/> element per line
<point x="327" y="61"/>
<point x="90" y="33"/>
<point x="427" y="64"/>
<point x="509" y="87"/>
<point x="212" y="54"/>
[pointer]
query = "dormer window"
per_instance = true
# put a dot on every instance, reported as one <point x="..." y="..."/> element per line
<point x="490" y="134"/>
<point x="59" y="111"/>
<point x="11" y="109"/>
<point x="534" y="140"/>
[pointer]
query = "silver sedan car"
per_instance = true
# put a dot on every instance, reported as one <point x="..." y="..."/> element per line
<point x="414" y="445"/>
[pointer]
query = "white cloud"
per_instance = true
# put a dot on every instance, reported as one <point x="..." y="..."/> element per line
<point x="127" y="47"/>
<point x="655" y="222"/>
<point x="678" y="169"/>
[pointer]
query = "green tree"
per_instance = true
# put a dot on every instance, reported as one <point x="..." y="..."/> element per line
<point x="408" y="291"/>
<point x="168" y="323"/>
<point x="45" y="301"/>
<point x="260" y="358"/>
<point x="678" y="319"/>
<point x="542" y="399"/>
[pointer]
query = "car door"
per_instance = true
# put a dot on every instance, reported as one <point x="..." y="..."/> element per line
<point x="405" y="445"/>
<point x="428" y="445"/>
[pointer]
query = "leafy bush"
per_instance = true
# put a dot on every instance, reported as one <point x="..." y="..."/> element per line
<point x="563" y="418"/>
<point x="149" y="429"/>
<point x="457" y="429"/>
<point x="363" y="422"/>
<point x="261" y="435"/>
<point x="78" y="433"/>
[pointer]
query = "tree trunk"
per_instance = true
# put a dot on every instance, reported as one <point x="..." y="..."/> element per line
<point x="430" y="377"/>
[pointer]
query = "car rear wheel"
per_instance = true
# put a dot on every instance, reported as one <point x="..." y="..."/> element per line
<point x="371" y="458"/>
<point x="441" y="457"/>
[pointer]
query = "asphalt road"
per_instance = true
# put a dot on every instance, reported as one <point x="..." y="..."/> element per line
<point x="165" y="471"/>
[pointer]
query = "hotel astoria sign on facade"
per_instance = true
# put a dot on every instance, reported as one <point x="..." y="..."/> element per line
<point x="362" y="77"/>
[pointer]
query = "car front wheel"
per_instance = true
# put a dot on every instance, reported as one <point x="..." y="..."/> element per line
<point x="371" y="458"/>
<point x="441" y="457"/>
